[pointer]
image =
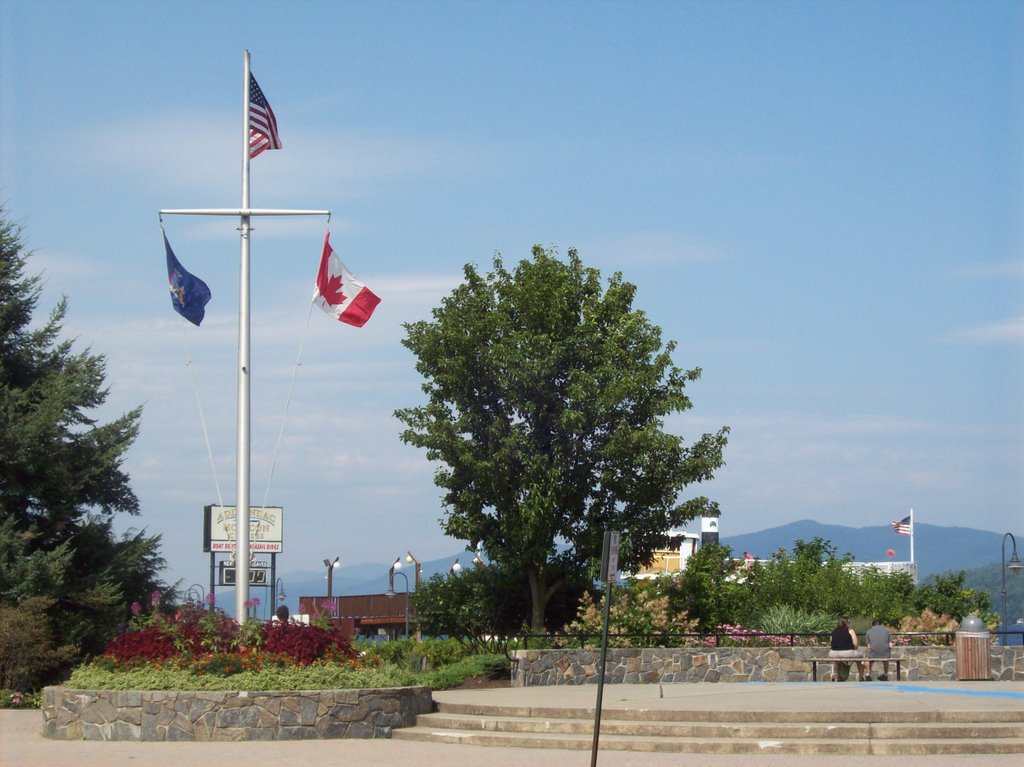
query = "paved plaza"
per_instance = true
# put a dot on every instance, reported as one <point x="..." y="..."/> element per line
<point x="22" y="745"/>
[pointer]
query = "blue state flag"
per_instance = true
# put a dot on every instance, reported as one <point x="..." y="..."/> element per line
<point x="189" y="294"/>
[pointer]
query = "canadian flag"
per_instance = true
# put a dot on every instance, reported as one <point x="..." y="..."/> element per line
<point x="339" y="293"/>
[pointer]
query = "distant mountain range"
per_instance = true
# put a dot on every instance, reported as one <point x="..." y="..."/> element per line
<point x="936" y="550"/>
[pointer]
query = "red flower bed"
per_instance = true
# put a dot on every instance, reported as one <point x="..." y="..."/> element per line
<point x="306" y="644"/>
<point x="213" y="643"/>
<point x="149" y="643"/>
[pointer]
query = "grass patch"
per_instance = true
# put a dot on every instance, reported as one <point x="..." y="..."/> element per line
<point x="454" y="674"/>
<point x="317" y="676"/>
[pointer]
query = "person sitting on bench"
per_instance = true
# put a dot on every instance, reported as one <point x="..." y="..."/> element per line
<point x="844" y="645"/>
<point x="879" y="646"/>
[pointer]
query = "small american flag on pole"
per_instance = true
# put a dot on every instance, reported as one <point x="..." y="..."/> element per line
<point x="262" y="123"/>
<point x="902" y="527"/>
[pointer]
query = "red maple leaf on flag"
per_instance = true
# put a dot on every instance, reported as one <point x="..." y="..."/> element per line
<point x="333" y="281"/>
<point x="331" y="289"/>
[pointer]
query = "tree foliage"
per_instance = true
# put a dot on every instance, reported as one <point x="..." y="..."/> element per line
<point x="946" y="594"/>
<point x="814" y="579"/>
<point x="61" y="476"/>
<point x="484" y="608"/>
<point x="546" y="400"/>
<point x="29" y="651"/>
<point x="709" y="590"/>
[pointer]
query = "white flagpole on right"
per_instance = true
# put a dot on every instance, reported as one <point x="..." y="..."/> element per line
<point x="243" y="418"/>
<point x="911" y="536"/>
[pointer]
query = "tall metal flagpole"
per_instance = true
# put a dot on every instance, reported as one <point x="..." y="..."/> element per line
<point x="242" y="450"/>
<point x="242" y="458"/>
<point x="911" y="536"/>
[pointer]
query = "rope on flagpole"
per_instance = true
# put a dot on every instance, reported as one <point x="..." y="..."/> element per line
<point x="287" y="404"/>
<point x="199" y="401"/>
<point x="291" y="388"/>
<point x="202" y="416"/>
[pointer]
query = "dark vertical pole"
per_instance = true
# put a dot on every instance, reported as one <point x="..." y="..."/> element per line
<point x="213" y="581"/>
<point x="609" y="567"/>
<point x="273" y="585"/>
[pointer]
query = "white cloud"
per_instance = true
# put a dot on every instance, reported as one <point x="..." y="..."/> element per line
<point x="152" y="149"/>
<point x="1001" y="332"/>
<point x="853" y="470"/>
<point x="994" y="269"/>
<point x="651" y="248"/>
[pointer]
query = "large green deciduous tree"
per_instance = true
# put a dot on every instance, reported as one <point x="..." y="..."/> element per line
<point x="546" y="399"/>
<point x="61" y="475"/>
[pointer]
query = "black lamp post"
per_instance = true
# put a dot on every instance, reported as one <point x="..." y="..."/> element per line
<point x="279" y="594"/>
<point x="330" y="575"/>
<point x="410" y="559"/>
<point x="391" y="591"/>
<point x="195" y="595"/>
<point x="1013" y="566"/>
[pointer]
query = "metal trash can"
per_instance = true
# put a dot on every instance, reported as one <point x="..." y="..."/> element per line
<point x="973" y="659"/>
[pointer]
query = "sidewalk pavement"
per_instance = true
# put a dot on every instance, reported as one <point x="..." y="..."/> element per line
<point x="21" y="744"/>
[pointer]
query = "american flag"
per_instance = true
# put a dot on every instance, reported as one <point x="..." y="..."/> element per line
<point x="902" y="527"/>
<point x="262" y="123"/>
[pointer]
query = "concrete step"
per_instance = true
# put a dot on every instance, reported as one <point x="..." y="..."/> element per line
<point x="640" y="713"/>
<point x="726" y="732"/>
<point x="687" y="729"/>
<point x="809" y="746"/>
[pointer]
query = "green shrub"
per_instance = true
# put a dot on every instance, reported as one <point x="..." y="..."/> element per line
<point x="19" y="699"/>
<point x="316" y="676"/>
<point x="396" y="651"/>
<point x="28" y="650"/>
<point x="437" y="653"/>
<point x="640" y="612"/>
<point x="497" y="667"/>
<point x="787" y="619"/>
<point x="446" y="677"/>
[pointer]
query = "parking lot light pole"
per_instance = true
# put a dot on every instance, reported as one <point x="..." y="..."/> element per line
<point x="1014" y="566"/>
<point x="330" y="575"/>
<point x="391" y="591"/>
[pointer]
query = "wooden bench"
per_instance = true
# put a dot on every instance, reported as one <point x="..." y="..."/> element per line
<point x="869" y="661"/>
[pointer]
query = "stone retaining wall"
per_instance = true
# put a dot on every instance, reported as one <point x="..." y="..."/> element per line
<point x="204" y="716"/>
<point x="531" y="668"/>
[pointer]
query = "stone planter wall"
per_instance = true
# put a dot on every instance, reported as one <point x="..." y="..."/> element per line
<point x="205" y="716"/>
<point x="532" y="668"/>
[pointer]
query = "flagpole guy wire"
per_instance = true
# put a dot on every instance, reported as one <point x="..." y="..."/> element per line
<point x="199" y="402"/>
<point x="202" y="415"/>
<point x="287" y="405"/>
<point x="242" y="466"/>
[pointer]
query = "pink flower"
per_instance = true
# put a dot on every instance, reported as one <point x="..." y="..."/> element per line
<point x="155" y="597"/>
<point x="136" y="608"/>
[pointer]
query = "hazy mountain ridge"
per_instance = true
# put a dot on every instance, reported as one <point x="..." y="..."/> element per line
<point x="936" y="550"/>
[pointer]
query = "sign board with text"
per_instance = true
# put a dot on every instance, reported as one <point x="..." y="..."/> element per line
<point x="266" y="529"/>
<point x="258" y="576"/>
<point x="708" y="530"/>
<point x="611" y="565"/>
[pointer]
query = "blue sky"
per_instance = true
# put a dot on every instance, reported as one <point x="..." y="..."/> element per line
<point x="820" y="202"/>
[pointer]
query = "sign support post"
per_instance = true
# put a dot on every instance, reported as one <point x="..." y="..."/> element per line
<point x="609" y="568"/>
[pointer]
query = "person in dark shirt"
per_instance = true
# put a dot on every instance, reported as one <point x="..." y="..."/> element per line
<point x="844" y="646"/>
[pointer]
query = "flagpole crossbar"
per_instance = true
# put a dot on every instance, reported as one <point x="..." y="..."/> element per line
<point x="241" y="212"/>
<point x="259" y="133"/>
